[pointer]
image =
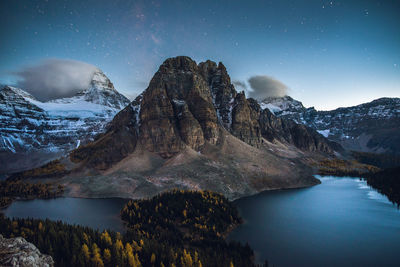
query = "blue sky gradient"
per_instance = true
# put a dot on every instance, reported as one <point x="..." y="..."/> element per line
<point x="329" y="53"/>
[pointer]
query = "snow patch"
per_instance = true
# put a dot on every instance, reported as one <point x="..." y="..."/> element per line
<point x="274" y="109"/>
<point x="325" y="133"/>
<point x="56" y="125"/>
<point x="179" y="102"/>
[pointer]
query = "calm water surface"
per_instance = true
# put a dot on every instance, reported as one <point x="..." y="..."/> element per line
<point x="342" y="222"/>
<point x="100" y="213"/>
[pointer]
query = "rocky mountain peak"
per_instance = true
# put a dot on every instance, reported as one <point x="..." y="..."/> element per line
<point x="206" y="68"/>
<point x="13" y="92"/>
<point x="100" y="91"/>
<point x="279" y="105"/>
<point x="368" y="127"/>
<point x="223" y="92"/>
<point x="47" y="129"/>
<point x="101" y="82"/>
<point x="180" y="63"/>
<point x="191" y="129"/>
<point x="177" y="107"/>
<point x="17" y="103"/>
<point x="185" y="105"/>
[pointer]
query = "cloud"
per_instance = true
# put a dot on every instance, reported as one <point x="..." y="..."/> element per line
<point x="263" y="86"/>
<point x="241" y="85"/>
<point x="55" y="78"/>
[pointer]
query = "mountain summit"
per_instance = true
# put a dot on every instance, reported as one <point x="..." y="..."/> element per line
<point x="101" y="91"/>
<point x="45" y="130"/>
<point x="191" y="129"/>
<point x="190" y="105"/>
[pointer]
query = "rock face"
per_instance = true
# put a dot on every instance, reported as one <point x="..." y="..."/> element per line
<point x="222" y="91"/>
<point x="190" y="129"/>
<point x="286" y="130"/>
<point x="116" y="143"/>
<point x="245" y="120"/>
<point x="42" y="131"/>
<point x="189" y="105"/>
<point x="369" y="127"/>
<point x="19" y="252"/>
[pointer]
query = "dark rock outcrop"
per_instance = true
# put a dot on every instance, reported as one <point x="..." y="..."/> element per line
<point x="177" y="102"/>
<point x="369" y="127"/>
<point x="116" y="143"/>
<point x="245" y="124"/>
<point x="18" y="252"/>
<point x="187" y="104"/>
<point x="190" y="129"/>
<point x="222" y="90"/>
<point x="285" y="130"/>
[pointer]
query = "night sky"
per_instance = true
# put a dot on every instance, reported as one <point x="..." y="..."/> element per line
<point x="329" y="53"/>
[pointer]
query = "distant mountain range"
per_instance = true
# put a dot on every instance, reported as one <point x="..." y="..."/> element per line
<point x="370" y="127"/>
<point x="32" y="132"/>
<point x="189" y="129"/>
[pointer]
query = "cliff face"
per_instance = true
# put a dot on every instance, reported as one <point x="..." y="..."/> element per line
<point x="222" y="91"/>
<point x="245" y="120"/>
<point x="116" y="143"/>
<point x="187" y="104"/>
<point x="368" y="127"/>
<point x="286" y="130"/>
<point x="19" y="252"/>
<point x="190" y="129"/>
<point x="177" y="109"/>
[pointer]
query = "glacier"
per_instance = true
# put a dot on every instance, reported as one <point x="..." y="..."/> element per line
<point x="28" y="125"/>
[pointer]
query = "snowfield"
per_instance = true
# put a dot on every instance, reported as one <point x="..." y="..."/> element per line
<point x="28" y="124"/>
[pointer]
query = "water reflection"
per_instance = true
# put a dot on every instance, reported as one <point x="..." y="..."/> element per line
<point x="342" y="222"/>
<point x="96" y="213"/>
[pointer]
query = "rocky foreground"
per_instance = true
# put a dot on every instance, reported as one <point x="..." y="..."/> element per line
<point x="18" y="252"/>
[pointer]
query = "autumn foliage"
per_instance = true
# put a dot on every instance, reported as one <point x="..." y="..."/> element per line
<point x="176" y="229"/>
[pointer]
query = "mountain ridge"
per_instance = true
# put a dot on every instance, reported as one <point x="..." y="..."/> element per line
<point x="193" y="111"/>
<point x="46" y="130"/>
<point x="368" y="127"/>
<point x="190" y="129"/>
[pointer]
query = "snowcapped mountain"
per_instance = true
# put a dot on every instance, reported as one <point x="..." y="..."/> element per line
<point x="282" y="105"/>
<point x="191" y="129"/>
<point x="46" y="129"/>
<point x="369" y="127"/>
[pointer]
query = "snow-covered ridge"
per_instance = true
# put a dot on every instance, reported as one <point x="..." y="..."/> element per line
<point x="21" y="92"/>
<point x="76" y="106"/>
<point x="364" y="125"/>
<point x="27" y="124"/>
<point x="281" y="104"/>
<point x="101" y="91"/>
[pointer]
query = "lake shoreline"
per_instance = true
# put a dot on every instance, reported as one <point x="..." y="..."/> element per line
<point x="319" y="226"/>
